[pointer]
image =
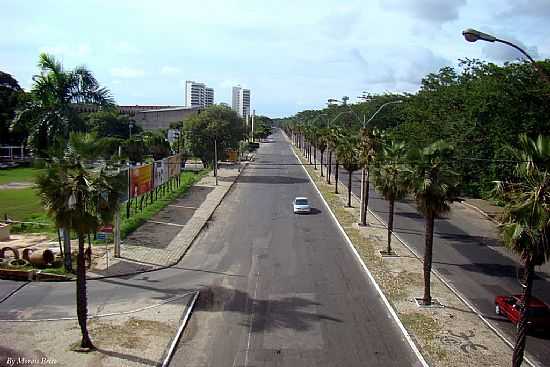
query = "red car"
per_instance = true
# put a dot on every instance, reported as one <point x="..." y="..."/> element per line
<point x="539" y="312"/>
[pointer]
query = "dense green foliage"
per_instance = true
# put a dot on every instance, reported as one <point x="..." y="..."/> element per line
<point x="217" y="124"/>
<point x="262" y="127"/>
<point x="480" y="109"/>
<point x="48" y="115"/>
<point x="10" y="96"/>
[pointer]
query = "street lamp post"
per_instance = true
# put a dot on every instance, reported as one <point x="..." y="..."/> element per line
<point x="472" y="35"/>
<point x="365" y="174"/>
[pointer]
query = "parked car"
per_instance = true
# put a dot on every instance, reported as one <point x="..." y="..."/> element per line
<point x="539" y="312"/>
<point x="301" y="205"/>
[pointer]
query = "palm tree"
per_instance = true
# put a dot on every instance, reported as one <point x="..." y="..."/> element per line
<point x="435" y="187"/>
<point x="392" y="179"/>
<point x="368" y="147"/>
<point x="81" y="200"/>
<point x="526" y="228"/>
<point x="322" y="141"/>
<point x="49" y="113"/>
<point x="347" y="153"/>
<point x="333" y="136"/>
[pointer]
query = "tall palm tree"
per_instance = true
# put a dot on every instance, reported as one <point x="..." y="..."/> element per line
<point x="435" y="188"/>
<point x="49" y="113"/>
<point x="322" y="141"/>
<point x="348" y="153"/>
<point x="333" y="137"/>
<point x="392" y="179"/>
<point x="369" y="145"/>
<point x="526" y="228"/>
<point x="81" y="200"/>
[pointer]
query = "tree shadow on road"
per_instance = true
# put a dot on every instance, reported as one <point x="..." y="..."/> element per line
<point x="292" y="312"/>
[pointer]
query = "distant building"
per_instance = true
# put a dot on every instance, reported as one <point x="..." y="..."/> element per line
<point x="240" y="102"/>
<point x="209" y="97"/>
<point x="148" y="117"/>
<point x="198" y="94"/>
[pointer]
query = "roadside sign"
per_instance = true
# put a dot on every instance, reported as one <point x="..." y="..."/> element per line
<point x="106" y="229"/>
<point x="102" y="236"/>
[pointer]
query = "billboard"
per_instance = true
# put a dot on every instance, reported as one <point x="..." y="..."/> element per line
<point x="161" y="172"/>
<point x="174" y="165"/>
<point x="140" y="180"/>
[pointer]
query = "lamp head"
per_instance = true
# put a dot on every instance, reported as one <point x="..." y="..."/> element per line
<point x="472" y="35"/>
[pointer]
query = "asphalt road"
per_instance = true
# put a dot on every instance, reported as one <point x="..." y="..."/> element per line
<point x="277" y="289"/>
<point x="470" y="256"/>
<point x="291" y="293"/>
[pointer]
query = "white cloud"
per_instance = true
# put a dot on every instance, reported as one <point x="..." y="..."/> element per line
<point x="77" y="51"/>
<point x="127" y="73"/>
<point x="170" y="70"/>
<point x="499" y="52"/>
<point x="431" y="10"/>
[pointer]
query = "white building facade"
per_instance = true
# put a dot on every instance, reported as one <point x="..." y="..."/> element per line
<point x="198" y="94"/>
<point x="241" y="101"/>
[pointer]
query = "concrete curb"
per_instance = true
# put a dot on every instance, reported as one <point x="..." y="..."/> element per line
<point x="480" y="211"/>
<point x="392" y="312"/>
<point x="172" y="348"/>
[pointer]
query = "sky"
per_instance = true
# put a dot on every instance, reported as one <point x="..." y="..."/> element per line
<point x="292" y="55"/>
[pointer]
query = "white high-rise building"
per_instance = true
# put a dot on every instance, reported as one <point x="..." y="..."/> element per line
<point x="209" y="97"/>
<point x="198" y="94"/>
<point x="241" y="101"/>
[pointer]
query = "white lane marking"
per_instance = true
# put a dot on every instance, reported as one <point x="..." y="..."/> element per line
<point x="358" y="257"/>
<point x="180" y="331"/>
<point x="182" y="206"/>
<point x="251" y="320"/>
<point x="166" y="223"/>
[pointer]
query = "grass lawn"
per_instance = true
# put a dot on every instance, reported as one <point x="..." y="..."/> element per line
<point x="21" y="174"/>
<point x="20" y="204"/>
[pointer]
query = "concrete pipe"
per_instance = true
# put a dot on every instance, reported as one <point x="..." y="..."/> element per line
<point x="42" y="257"/>
<point x="27" y="253"/>
<point x="13" y="250"/>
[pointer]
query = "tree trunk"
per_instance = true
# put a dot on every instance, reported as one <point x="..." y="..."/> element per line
<point x="523" y="327"/>
<point x="322" y="163"/>
<point x="81" y="299"/>
<point x="314" y="157"/>
<point x="336" y="178"/>
<point x="329" y="166"/>
<point x="349" y="188"/>
<point x="390" y="225"/>
<point x="427" y="300"/>
<point x="67" y="258"/>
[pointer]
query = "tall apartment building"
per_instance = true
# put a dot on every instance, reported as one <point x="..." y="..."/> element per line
<point x="209" y="97"/>
<point x="241" y="101"/>
<point x="198" y="94"/>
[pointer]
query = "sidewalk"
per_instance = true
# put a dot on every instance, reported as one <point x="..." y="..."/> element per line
<point x="486" y="208"/>
<point x="165" y="238"/>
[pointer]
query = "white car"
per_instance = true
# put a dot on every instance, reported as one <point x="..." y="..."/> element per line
<point x="301" y="205"/>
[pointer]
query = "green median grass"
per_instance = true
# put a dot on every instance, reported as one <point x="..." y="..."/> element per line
<point x="20" y="174"/>
<point x="137" y="218"/>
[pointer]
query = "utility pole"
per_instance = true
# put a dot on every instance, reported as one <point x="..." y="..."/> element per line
<point x="253" y="115"/>
<point x="364" y="187"/>
<point x="216" y="160"/>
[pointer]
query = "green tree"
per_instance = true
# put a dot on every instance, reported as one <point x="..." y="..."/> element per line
<point x="215" y="123"/>
<point x="110" y="123"/>
<point x="435" y="187"/>
<point x="369" y="145"/>
<point x="526" y="228"/>
<point x="10" y="96"/>
<point x="81" y="200"/>
<point x="392" y="179"/>
<point x="157" y="144"/>
<point x="348" y="154"/>
<point x="49" y="114"/>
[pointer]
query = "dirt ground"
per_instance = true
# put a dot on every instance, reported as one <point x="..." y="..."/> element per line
<point x="138" y="339"/>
